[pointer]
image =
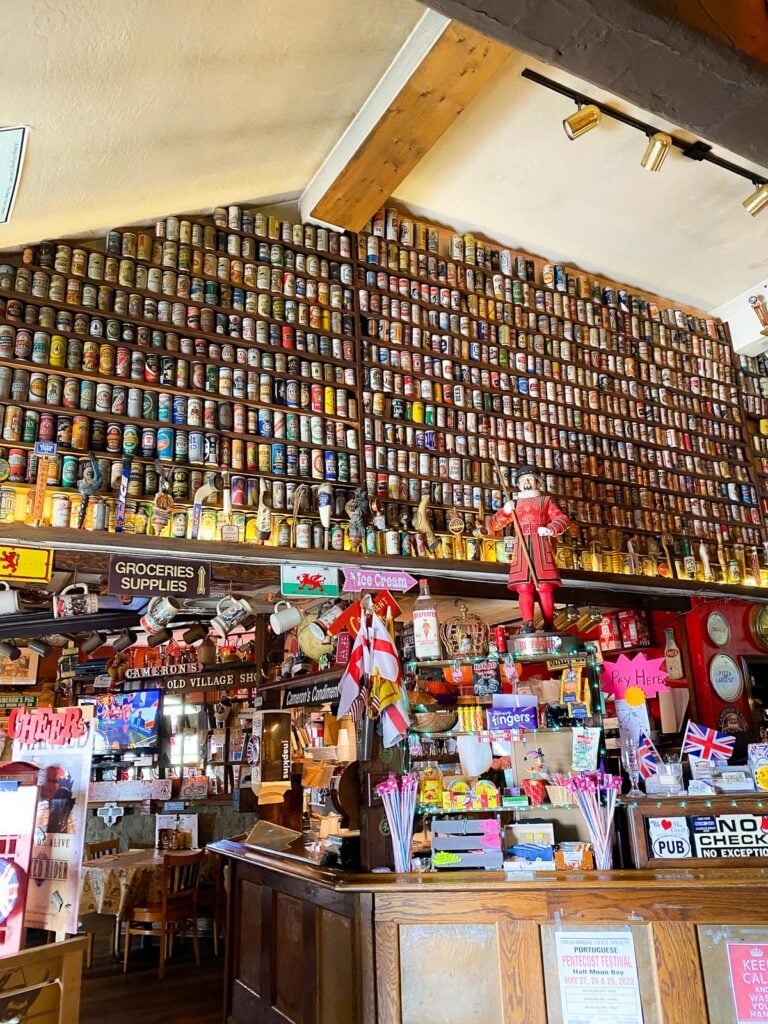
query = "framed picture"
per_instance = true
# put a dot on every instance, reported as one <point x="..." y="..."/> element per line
<point x="22" y="672"/>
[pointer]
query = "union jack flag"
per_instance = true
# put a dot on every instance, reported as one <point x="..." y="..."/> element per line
<point x="707" y="743"/>
<point x="647" y="757"/>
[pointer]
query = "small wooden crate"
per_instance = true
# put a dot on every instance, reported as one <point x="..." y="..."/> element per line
<point x="466" y="843"/>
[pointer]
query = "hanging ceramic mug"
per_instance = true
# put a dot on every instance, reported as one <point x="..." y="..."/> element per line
<point x="284" y="617"/>
<point x="75" y="600"/>
<point x="196" y="632"/>
<point x="325" y="620"/>
<point x="159" y="613"/>
<point x="9" y="600"/>
<point x="230" y="612"/>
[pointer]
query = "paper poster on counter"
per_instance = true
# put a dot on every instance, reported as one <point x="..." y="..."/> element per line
<point x="633" y="720"/>
<point x="748" y="970"/>
<point x="63" y="756"/>
<point x="598" y="978"/>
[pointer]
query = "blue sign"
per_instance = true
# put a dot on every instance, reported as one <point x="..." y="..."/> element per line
<point x="48" y="448"/>
<point x="512" y="718"/>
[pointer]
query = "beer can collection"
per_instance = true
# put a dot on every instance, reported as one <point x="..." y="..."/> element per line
<point x="232" y="345"/>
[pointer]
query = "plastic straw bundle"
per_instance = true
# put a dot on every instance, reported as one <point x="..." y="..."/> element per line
<point x="595" y="793"/>
<point x="399" y="798"/>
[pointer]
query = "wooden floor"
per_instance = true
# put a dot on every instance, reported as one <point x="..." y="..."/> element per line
<point x="187" y="994"/>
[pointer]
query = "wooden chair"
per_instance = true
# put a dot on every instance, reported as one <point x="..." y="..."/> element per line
<point x="101" y="924"/>
<point x="177" y="910"/>
<point x="211" y="897"/>
<point x="105" y="848"/>
<point x="43" y="984"/>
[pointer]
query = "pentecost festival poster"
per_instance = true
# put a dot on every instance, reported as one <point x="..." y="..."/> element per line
<point x="57" y="852"/>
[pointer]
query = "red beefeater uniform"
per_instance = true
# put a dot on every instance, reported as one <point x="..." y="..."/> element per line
<point x="531" y="514"/>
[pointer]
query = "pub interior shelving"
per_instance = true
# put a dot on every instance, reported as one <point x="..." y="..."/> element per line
<point x="412" y="362"/>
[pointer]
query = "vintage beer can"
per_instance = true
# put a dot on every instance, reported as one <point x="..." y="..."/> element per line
<point x="278" y="458"/>
<point x="80" y="433"/>
<point x="165" y="444"/>
<point x="70" y="468"/>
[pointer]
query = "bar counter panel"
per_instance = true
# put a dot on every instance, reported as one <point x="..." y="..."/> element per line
<point x="311" y="945"/>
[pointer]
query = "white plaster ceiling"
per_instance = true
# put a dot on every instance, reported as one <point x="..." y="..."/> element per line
<point x="139" y="108"/>
<point x="506" y="168"/>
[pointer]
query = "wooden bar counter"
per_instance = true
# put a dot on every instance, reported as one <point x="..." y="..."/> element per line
<point x="311" y="945"/>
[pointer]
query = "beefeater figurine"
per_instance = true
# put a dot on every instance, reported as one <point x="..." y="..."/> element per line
<point x="532" y="569"/>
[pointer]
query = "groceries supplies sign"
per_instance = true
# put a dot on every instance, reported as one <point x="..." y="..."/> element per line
<point x="158" y="577"/>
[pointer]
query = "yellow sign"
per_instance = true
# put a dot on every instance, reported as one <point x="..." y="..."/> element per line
<point x="26" y="565"/>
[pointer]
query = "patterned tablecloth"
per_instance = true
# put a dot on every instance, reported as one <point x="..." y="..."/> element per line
<point x="114" y="884"/>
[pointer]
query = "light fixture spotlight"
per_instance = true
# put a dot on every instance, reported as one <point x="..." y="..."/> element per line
<point x="656" y="151"/>
<point x="659" y="143"/>
<point x="754" y="203"/>
<point x="583" y="120"/>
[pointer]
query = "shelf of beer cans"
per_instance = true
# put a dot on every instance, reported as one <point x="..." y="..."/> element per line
<point x="753" y="375"/>
<point x="631" y="411"/>
<point x="293" y="354"/>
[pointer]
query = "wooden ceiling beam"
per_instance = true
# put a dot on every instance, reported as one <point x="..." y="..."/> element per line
<point x="436" y="75"/>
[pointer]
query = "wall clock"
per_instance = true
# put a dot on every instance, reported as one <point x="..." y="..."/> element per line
<point x="725" y="677"/>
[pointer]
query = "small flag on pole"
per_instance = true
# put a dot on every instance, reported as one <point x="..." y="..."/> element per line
<point x="708" y="744"/>
<point x="647" y="757"/>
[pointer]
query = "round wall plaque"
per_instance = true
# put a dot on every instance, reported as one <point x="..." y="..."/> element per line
<point x="732" y="720"/>
<point x="725" y="677"/>
<point x="718" y="630"/>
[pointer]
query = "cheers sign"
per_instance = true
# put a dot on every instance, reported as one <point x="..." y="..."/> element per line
<point x="44" y="725"/>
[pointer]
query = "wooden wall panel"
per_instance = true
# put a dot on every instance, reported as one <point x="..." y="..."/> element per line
<point x="289" y="975"/>
<point x="677" y="973"/>
<point x="364" y="956"/>
<point x="387" y="973"/>
<point x="248" y="962"/>
<point x="471" y="906"/>
<point x="522" y="974"/>
<point x="336" y="980"/>
<point x="432" y="994"/>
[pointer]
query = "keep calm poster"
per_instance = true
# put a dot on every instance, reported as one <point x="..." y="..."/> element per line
<point x="748" y="967"/>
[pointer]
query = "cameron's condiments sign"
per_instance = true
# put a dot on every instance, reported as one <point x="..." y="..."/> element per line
<point x="158" y="577"/>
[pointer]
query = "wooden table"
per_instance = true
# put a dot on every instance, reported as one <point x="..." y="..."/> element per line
<point x="310" y="945"/>
<point x="114" y="884"/>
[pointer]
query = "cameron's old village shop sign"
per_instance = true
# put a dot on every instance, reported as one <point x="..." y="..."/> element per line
<point x="230" y="678"/>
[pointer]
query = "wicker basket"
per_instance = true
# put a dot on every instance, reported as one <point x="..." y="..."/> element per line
<point x="434" y="721"/>
<point x="560" y="796"/>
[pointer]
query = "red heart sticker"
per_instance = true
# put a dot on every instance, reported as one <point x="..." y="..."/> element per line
<point x="665" y="823"/>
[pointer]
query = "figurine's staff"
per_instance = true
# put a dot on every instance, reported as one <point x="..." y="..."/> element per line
<point x="516" y="522"/>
